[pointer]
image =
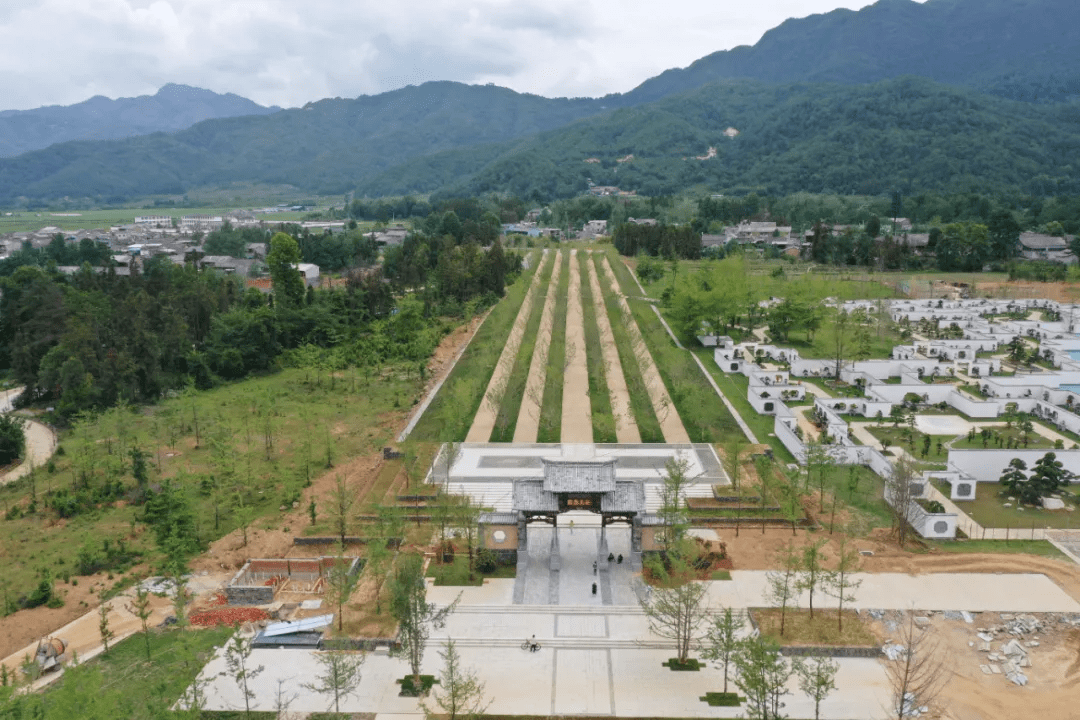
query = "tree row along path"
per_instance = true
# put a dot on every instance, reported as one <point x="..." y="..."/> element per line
<point x="528" y="421"/>
<point x="484" y="422"/>
<point x="666" y="414"/>
<point x="576" y="409"/>
<point x="626" y="429"/>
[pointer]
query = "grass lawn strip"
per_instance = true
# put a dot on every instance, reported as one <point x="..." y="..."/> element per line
<point x="137" y="685"/>
<point x="551" y="406"/>
<point x="611" y="415"/>
<point x="1043" y="548"/>
<point x="702" y="412"/>
<point x="484" y="422"/>
<point x="800" y="629"/>
<point x="988" y="509"/>
<point x="644" y="415"/>
<point x="735" y="387"/>
<point x="528" y="420"/>
<point x="448" y="417"/>
<point x="666" y="412"/>
<point x="576" y="412"/>
<point x="514" y="390"/>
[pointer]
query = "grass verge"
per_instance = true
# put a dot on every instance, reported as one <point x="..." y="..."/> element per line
<point x="735" y="387"/>
<point x="451" y="412"/>
<point x="644" y="415"/>
<point x="512" y="394"/>
<point x="603" y="417"/>
<point x="822" y="629"/>
<point x="125" y="684"/>
<point x="551" y="406"/>
<point x="703" y="413"/>
<point x="84" y="519"/>
<point x="1042" y="548"/>
<point x="457" y="572"/>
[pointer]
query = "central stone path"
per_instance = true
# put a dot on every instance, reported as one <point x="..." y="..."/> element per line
<point x="576" y="409"/>
<point x="559" y="569"/>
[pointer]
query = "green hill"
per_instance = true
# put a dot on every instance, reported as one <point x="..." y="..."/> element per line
<point x="327" y="147"/>
<point x="173" y="107"/>
<point x="907" y="134"/>
<point x="1022" y="49"/>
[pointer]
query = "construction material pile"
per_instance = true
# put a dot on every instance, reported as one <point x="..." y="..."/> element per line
<point x="228" y="616"/>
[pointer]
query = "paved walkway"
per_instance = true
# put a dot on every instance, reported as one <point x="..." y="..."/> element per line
<point x="484" y="422"/>
<point x="40" y="440"/>
<point x="561" y="572"/>
<point x="603" y="659"/>
<point x="528" y="421"/>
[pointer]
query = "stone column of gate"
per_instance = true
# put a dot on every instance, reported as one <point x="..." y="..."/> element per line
<point x="626" y="429"/>
<point x="484" y="422"/>
<point x="528" y="420"/>
<point x="576" y="408"/>
<point x="666" y="414"/>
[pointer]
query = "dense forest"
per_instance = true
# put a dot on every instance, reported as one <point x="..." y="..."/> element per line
<point x="92" y="339"/>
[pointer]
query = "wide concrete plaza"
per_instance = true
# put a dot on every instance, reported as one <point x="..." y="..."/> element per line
<point x="597" y="654"/>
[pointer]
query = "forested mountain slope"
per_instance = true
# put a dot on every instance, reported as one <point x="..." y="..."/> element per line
<point x="904" y="134"/>
<point x="1023" y="49"/>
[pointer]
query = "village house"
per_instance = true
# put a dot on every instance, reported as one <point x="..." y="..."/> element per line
<point x="1036" y="246"/>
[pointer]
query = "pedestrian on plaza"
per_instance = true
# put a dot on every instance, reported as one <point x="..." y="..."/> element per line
<point x="571" y="527"/>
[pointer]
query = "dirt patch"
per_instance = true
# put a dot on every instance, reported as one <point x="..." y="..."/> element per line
<point x="666" y="414"/>
<point x="754" y="550"/>
<point x="442" y="360"/>
<point x="972" y="695"/>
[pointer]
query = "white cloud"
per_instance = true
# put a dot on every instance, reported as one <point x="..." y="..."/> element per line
<point x="288" y="52"/>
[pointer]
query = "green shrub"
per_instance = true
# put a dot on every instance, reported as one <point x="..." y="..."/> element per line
<point x="486" y="561"/>
<point x="719" y="699"/>
<point x="410" y="690"/>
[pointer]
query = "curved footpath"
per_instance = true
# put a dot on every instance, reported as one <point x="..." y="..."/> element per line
<point x="40" y="441"/>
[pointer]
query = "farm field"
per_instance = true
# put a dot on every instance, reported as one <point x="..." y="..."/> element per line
<point x="94" y="219"/>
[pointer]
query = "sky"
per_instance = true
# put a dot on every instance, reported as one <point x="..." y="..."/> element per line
<point x="289" y="52"/>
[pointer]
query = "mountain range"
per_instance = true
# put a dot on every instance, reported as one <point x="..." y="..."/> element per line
<point x="173" y="107"/>
<point x="948" y="95"/>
